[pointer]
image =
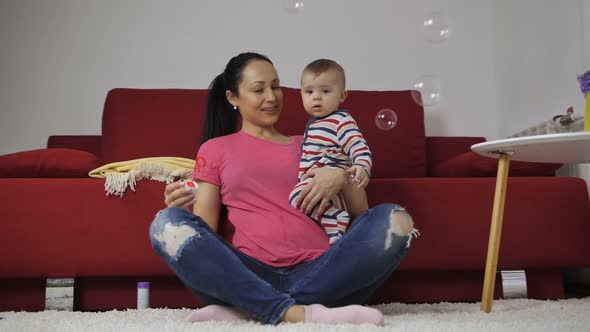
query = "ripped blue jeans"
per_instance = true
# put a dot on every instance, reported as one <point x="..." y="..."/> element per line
<point x="217" y="273"/>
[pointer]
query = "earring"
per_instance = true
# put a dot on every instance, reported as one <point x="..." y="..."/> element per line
<point x="235" y="108"/>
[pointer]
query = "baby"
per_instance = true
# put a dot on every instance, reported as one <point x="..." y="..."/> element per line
<point x="332" y="139"/>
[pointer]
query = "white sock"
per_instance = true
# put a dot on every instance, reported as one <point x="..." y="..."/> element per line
<point x="216" y="312"/>
<point x="352" y="314"/>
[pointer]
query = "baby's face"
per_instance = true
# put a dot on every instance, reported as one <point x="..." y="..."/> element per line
<point x="322" y="94"/>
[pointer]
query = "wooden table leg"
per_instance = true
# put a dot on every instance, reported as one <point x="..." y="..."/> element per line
<point x="495" y="232"/>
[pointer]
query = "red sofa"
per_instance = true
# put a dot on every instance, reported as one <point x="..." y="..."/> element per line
<point x="57" y="222"/>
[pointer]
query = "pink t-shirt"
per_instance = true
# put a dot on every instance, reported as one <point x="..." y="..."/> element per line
<point x="256" y="177"/>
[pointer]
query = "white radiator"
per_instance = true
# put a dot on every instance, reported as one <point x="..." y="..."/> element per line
<point x="565" y="123"/>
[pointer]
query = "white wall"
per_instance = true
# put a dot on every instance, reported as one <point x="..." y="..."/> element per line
<point x="507" y="65"/>
<point x="540" y="52"/>
<point x="585" y="13"/>
<point x="60" y="57"/>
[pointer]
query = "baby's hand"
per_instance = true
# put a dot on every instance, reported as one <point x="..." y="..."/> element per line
<point x="358" y="175"/>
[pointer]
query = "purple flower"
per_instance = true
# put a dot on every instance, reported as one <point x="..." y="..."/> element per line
<point x="584" y="80"/>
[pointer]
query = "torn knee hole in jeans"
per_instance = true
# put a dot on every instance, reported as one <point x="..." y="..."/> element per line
<point x="173" y="236"/>
<point x="400" y="224"/>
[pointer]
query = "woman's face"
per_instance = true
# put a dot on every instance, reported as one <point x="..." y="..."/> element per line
<point x="260" y="99"/>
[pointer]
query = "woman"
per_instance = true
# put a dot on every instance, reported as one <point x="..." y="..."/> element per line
<point x="277" y="265"/>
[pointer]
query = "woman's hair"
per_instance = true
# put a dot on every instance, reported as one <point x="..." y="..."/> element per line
<point x="221" y="117"/>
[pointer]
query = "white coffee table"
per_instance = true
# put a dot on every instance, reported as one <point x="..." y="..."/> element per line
<point x="563" y="148"/>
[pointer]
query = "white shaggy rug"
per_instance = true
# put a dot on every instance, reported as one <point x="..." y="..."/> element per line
<point x="508" y="315"/>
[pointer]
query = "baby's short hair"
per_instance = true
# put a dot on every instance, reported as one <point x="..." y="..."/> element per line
<point x="320" y="66"/>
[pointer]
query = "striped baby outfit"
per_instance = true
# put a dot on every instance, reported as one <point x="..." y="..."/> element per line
<point x="332" y="141"/>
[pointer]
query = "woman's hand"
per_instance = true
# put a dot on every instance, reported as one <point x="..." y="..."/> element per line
<point x="178" y="194"/>
<point x="326" y="183"/>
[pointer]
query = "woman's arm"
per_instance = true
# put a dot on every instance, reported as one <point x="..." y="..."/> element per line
<point x="208" y="204"/>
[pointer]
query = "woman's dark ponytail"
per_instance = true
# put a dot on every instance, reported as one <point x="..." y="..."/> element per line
<point x="221" y="117"/>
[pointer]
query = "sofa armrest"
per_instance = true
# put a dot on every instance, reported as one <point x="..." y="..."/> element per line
<point x="440" y="148"/>
<point x="88" y="143"/>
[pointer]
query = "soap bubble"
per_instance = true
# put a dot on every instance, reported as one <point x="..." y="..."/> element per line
<point x="293" y="6"/>
<point x="429" y="88"/>
<point x="386" y="119"/>
<point x="437" y="27"/>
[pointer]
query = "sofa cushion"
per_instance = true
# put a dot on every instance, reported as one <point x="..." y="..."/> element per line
<point x="88" y="143"/>
<point x="470" y="164"/>
<point x="453" y="216"/>
<point x="48" y="163"/>
<point x="140" y="123"/>
<point x="442" y="148"/>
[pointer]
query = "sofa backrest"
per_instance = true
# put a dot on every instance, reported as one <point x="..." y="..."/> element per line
<point x="400" y="151"/>
<point x="140" y="123"/>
